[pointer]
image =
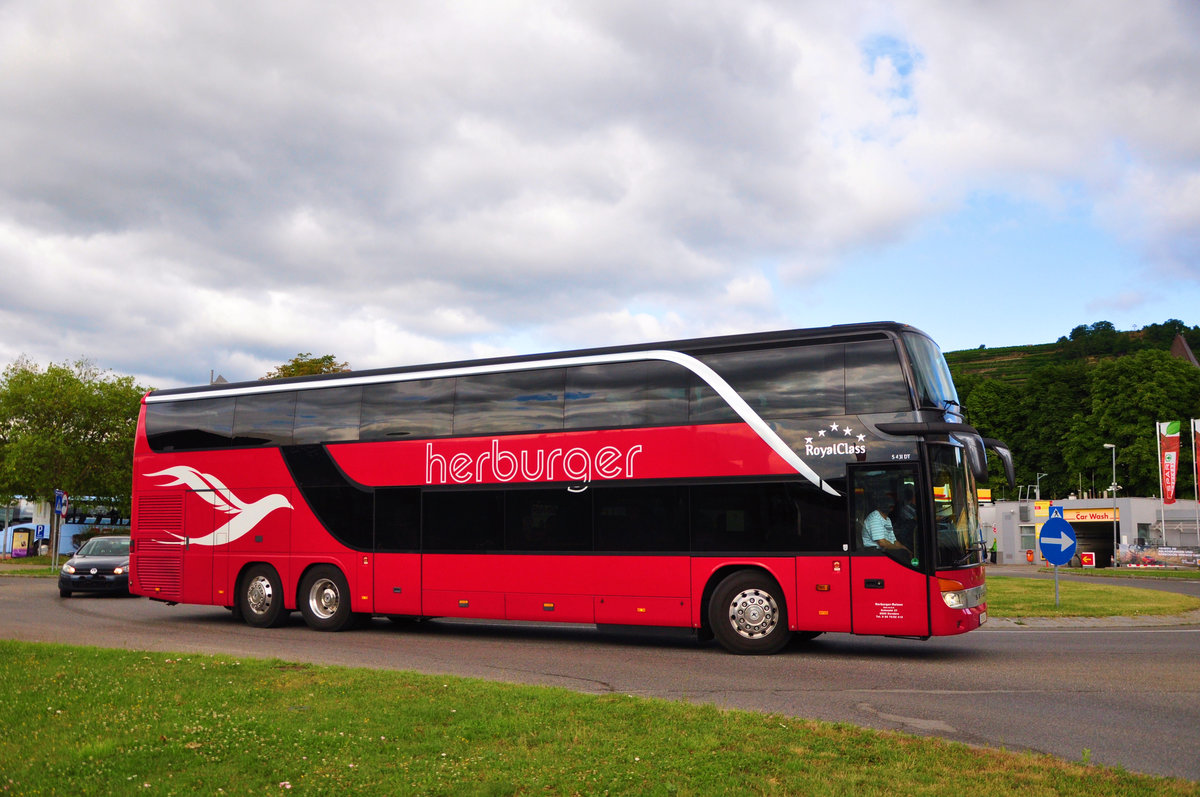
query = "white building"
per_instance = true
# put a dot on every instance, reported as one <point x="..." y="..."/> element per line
<point x="1145" y="531"/>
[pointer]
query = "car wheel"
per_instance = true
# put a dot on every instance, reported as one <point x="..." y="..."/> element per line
<point x="64" y="593"/>
<point x="260" y="597"/>
<point x="748" y="615"/>
<point x="325" y="599"/>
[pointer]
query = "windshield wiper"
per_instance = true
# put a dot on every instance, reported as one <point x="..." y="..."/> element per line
<point x="974" y="548"/>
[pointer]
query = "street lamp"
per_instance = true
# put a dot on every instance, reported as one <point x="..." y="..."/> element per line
<point x="1038" y="486"/>
<point x="1116" y="541"/>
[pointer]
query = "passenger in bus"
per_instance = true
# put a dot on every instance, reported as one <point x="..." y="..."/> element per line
<point x="877" y="532"/>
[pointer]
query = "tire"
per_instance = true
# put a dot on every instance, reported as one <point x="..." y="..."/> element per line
<point x="64" y="593"/>
<point x="260" y="597"/>
<point x="324" y="599"/>
<point x="747" y="614"/>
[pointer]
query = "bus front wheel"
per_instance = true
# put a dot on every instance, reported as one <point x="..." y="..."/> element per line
<point x="747" y="614"/>
<point x="325" y="599"/>
<point x="261" y="597"/>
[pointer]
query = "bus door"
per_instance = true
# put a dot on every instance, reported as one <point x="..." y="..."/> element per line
<point x="889" y="593"/>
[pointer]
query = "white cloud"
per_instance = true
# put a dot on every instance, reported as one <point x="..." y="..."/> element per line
<point x="216" y="187"/>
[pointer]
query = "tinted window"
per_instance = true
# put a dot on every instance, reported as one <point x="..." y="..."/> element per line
<point x="327" y="415"/>
<point x="344" y="508"/>
<point x="397" y="519"/>
<point x="468" y="520"/>
<point x="641" y="518"/>
<point x="548" y="520"/>
<point x="764" y="517"/>
<point x="798" y="381"/>
<point x="874" y="379"/>
<point x="935" y="387"/>
<point x="647" y="393"/>
<point x="195" y="424"/>
<point x="885" y="509"/>
<point x="706" y="406"/>
<point x="398" y="410"/>
<point x="518" y="401"/>
<point x="264" y="420"/>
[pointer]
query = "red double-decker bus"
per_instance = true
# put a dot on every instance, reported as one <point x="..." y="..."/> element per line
<point x="751" y="487"/>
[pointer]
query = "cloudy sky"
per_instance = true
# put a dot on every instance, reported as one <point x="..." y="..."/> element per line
<point x="196" y="187"/>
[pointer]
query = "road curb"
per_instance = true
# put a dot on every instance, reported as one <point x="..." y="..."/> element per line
<point x="1142" y="621"/>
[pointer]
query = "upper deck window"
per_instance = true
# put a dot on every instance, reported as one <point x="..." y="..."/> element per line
<point x="644" y="393"/>
<point x="512" y="401"/>
<point x="787" y="382"/>
<point x="190" y="425"/>
<point x="875" y="381"/>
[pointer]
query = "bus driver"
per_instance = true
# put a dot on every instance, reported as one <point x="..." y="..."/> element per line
<point x="877" y="528"/>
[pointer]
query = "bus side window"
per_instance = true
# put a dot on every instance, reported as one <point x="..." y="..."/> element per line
<point x="463" y="520"/>
<point x="397" y="519"/>
<point x="874" y="379"/>
<point x="785" y="382"/>
<point x="264" y="420"/>
<point x="190" y="425"/>
<point x="646" y="393"/>
<point x="512" y="401"/>
<point x="328" y="415"/>
<point x="402" y="410"/>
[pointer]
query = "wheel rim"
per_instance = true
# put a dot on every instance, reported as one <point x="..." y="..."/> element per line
<point x="753" y="613"/>
<point x="259" y="594"/>
<point x="324" y="598"/>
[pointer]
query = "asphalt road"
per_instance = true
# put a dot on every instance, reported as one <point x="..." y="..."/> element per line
<point x="1129" y="695"/>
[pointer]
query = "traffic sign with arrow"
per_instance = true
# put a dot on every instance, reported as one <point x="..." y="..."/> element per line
<point x="1057" y="541"/>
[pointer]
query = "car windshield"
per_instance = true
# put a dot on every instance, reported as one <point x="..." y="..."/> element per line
<point x="956" y="508"/>
<point x="105" y="546"/>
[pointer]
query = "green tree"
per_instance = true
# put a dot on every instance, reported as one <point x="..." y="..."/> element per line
<point x="305" y="364"/>
<point x="69" y="427"/>
<point x="992" y="407"/>
<point x="1127" y="397"/>
<point x="1052" y="400"/>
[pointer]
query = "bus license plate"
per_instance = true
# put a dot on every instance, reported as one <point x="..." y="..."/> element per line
<point x="982" y="617"/>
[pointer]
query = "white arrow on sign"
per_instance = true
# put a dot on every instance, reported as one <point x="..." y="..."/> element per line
<point x="1062" y="541"/>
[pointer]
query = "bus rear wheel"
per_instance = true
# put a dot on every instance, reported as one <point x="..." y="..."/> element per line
<point x="747" y="614"/>
<point x="325" y="599"/>
<point x="260" y="597"/>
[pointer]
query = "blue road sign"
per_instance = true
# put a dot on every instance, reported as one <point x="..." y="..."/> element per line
<point x="1056" y="511"/>
<point x="1057" y="541"/>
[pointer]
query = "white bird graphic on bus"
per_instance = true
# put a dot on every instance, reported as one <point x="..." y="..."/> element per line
<point x="243" y="516"/>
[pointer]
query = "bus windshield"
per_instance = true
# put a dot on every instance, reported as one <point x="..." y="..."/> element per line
<point x="956" y="508"/>
<point x="935" y="387"/>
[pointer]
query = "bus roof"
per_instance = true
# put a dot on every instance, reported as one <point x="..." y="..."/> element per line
<point x="692" y="346"/>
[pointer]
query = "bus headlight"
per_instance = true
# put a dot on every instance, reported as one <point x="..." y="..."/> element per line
<point x="956" y="596"/>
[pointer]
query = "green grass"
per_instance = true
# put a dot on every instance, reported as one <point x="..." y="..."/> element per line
<point x="1015" y="597"/>
<point x="91" y="721"/>
<point x="1127" y="572"/>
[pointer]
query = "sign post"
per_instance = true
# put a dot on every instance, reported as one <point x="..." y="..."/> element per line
<point x="1057" y="541"/>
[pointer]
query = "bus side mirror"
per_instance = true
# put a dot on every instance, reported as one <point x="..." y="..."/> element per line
<point x="976" y="455"/>
<point x="1006" y="459"/>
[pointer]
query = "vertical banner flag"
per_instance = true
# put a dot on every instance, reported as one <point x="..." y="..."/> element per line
<point x="1196" y="463"/>
<point x="1168" y="446"/>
